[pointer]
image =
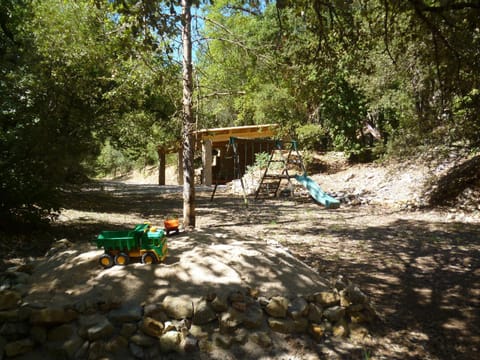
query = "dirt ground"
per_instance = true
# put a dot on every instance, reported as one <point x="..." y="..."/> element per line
<point x="420" y="268"/>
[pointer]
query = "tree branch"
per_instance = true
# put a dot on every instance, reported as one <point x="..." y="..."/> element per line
<point x="385" y="35"/>
<point x="223" y="93"/>
<point x="238" y="8"/>
<point x="239" y="44"/>
<point x="474" y="4"/>
<point x="417" y="5"/>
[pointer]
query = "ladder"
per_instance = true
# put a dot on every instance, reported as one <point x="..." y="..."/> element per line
<point x="285" y="154"/>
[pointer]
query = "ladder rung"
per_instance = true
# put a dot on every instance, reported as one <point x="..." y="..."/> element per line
<point x="277" y="176"/>
<point x="269" y="192"/>
<point x="267" y="185"/>
<point x="267" y="189"/>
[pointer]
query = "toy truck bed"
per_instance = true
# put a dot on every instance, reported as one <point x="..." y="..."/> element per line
<point x="119" y="240"/>
<point x="144" y="242"/>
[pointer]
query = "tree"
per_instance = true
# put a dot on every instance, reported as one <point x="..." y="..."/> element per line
<point x="409" y="69"/>
<point x="71" y="78"/>
<point x="55" y="67"/>
<point x="269" y="69"/>
<point x="152" y="26"/>
<point x="427" y="54"/>
<point x="188" y="120"/>
<point x="152" y="22"/>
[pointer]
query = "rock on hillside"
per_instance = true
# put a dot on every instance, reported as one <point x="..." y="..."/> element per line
<point x="428" y="180"/>
<point x="212" y="296"/>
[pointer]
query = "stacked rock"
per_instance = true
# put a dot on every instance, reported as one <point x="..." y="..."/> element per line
<point x="105" y="328"/>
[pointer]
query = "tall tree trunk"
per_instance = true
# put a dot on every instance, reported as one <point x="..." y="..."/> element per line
<point x="188" y="119"/>
<point x="161" y="166"/>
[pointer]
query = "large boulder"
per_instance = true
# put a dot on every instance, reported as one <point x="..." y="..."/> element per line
<point x="288" y="326"/>
<point x="335" y="313"/>
<point x="18" y="347"/>
<point x="326" y="298"/>
<point x="9" y="299"/>
<point x="170" y="341"/>
<point x="230" y="320"/>
<point x="203" y="313"/>
<point x="52" y="316"/>
<point x="253" y="317"/>
<point x="277" y="307"/>
<point x="126" y="314"/>
<point x="151" y="326"/>
<point x="178" y="307"/>
<point x="298" y="308"/>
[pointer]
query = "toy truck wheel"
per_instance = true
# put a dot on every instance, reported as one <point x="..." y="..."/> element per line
<point x="149" y="258"/>
<point x="106" y="261"/>
<point x="122" y="259"/>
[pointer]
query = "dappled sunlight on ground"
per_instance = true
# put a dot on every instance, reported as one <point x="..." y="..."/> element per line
<point x="203" y="261"/>
<point x="420" y="268"/>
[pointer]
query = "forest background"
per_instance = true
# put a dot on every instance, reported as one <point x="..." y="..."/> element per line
<point x="89" y="87"/>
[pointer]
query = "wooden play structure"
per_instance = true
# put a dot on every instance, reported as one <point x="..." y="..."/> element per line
<point x="217" y="157"/>
<point x="228" y="152"/>
<point x="281" y="156"/>
<point x="286" y="155"/>
<point x="214" y="144"/>
<point x="284" y="163"/>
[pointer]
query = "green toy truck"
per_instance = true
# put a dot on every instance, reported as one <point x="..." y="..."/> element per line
<point x="144" y="242"/>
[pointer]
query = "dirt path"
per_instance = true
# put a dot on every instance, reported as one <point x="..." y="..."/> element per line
<point x="422" y="272"/>
<point x="421" y="269"/>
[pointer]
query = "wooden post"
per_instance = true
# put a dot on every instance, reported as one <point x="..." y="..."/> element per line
<point x="161" y="166"/>
<point x="207" y="162"/>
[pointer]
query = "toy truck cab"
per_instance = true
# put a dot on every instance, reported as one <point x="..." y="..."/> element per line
<point x="144" y="242"/>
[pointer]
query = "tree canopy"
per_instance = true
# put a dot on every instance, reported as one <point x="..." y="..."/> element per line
<point x="72" y="78"/>
<point x="407" y="68"/>
<point x="81" y="76"/>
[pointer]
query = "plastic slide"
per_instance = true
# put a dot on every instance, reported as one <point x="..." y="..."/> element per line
<point x="317" y="193"/>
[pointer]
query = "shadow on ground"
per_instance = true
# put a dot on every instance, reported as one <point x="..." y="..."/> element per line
<point x="424" y="277"/>
<point x="423" y="274"/>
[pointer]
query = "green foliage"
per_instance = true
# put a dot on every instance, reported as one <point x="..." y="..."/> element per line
<point x="144" y="95"/>
<point x="273" y="63"/>
<point x="50" y="98"/>
<point x="466" y="111"/>
<point x="112" y="161"/>
<point x="71" y="78"/>
<point x="261" y="162"/>
<point x="311" y="136"/>
<point x="342" y="111"/>
<point x="233" y="69"/>
<point x="410" y="69"/>
<point x="76" y="73"/>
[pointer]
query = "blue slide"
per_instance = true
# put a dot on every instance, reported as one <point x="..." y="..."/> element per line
<point x="317" y="193"/>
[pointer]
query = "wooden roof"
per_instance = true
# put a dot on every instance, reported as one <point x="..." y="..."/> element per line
<point x="221" y="135"/>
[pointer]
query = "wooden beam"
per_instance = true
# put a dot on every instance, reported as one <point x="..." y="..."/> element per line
<point x="249" y="132"/>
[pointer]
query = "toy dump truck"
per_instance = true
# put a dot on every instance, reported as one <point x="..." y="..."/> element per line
<point x="144" y="242"/>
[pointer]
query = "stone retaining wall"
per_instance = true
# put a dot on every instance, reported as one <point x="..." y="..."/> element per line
<point x="93" y="329"/>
